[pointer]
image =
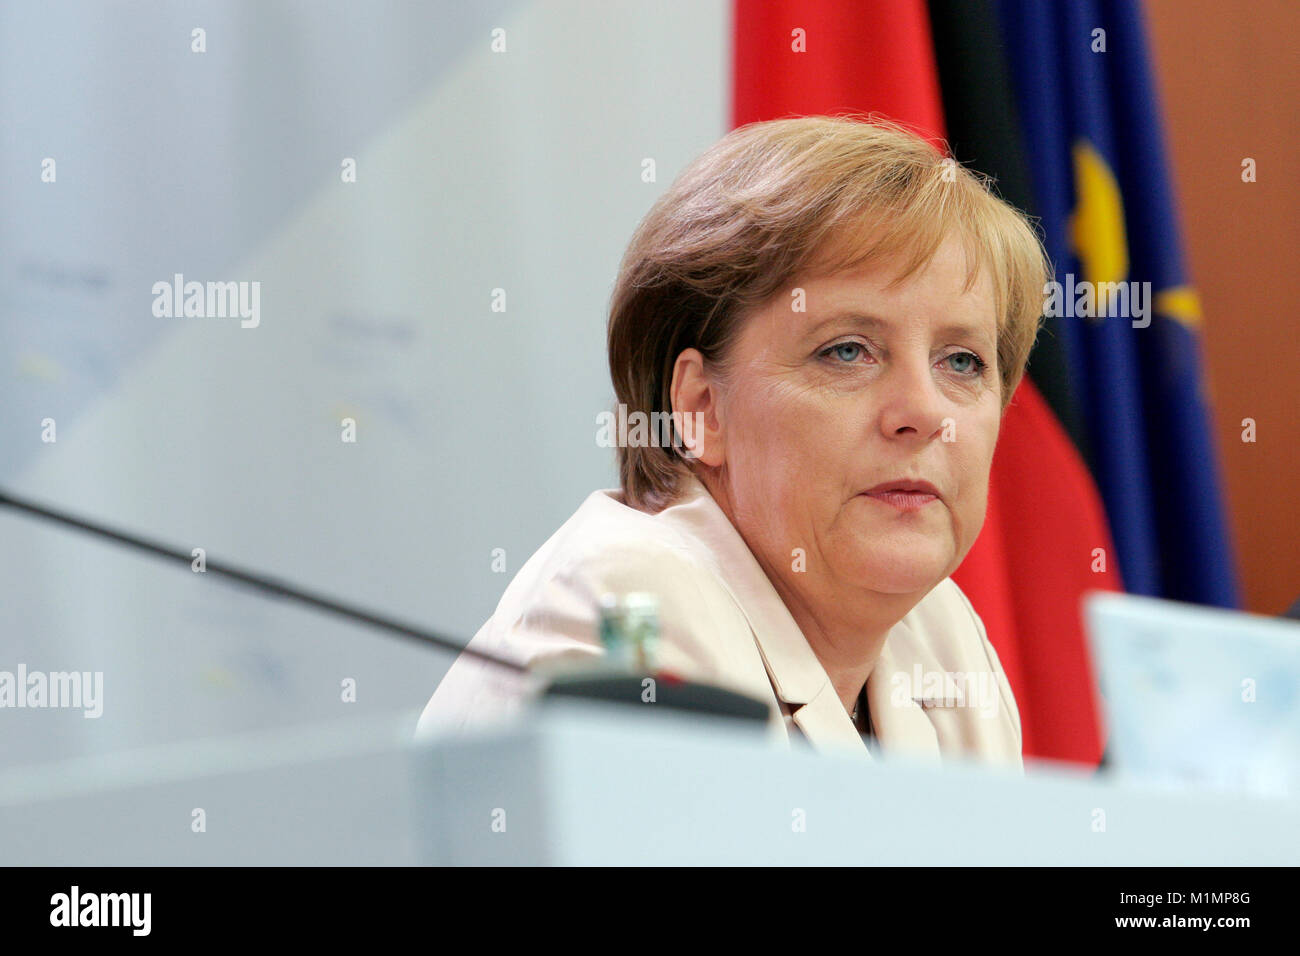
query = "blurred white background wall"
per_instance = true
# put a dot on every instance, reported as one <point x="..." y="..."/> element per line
<point x="475" y="170"/>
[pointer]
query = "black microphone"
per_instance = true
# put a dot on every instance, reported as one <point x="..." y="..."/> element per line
<point x="260" y="582"/>
<point x="673" y="693"/>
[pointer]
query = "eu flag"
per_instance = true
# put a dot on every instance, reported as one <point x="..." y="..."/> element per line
<point x="1127" y="316"/>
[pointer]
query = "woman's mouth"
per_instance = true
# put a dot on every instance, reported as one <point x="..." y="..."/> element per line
<point x="902" y="500"/>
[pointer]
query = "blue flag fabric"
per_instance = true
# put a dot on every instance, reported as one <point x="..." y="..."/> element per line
<point x="1130" y="319"/>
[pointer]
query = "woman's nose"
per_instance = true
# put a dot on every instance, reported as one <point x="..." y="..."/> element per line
<point x="912" y="403"/>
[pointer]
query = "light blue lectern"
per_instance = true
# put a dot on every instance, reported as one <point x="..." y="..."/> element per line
<point x="587" y="784"/>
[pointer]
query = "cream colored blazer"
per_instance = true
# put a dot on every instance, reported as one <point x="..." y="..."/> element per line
<point x="937" y="690"/>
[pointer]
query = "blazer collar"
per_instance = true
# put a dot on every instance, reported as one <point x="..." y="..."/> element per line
<point x="797" y="676"/>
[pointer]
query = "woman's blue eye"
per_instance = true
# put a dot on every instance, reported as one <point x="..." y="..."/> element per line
<point x="974" y="366"/>
<point x="848" y="351"/>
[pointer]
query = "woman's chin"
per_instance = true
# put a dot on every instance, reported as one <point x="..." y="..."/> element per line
<point x="905" y="584"/>
<point x="902" y="573"/>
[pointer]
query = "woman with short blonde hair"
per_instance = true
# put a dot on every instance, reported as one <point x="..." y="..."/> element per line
<point x="757" y="209"/>
<point x="840" y="314"/>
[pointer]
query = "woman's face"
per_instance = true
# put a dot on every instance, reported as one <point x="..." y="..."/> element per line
<point x="868" y="387"/>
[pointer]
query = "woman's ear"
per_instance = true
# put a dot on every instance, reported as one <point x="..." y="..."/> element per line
<point x="697" y="410"/>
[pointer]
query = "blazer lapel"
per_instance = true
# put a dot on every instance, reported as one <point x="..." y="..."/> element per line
<point x="900" y="718"/>
<point x="797" y="676"/>
<point x="826" y="724"/>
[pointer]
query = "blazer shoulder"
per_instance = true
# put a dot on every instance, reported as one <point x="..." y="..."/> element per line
<point x="608" y="547"/>
<point x="552" y="606"/>
<point x="549" y="615"/>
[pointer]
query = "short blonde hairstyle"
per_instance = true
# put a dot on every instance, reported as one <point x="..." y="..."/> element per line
<point x="789" y="198"/>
